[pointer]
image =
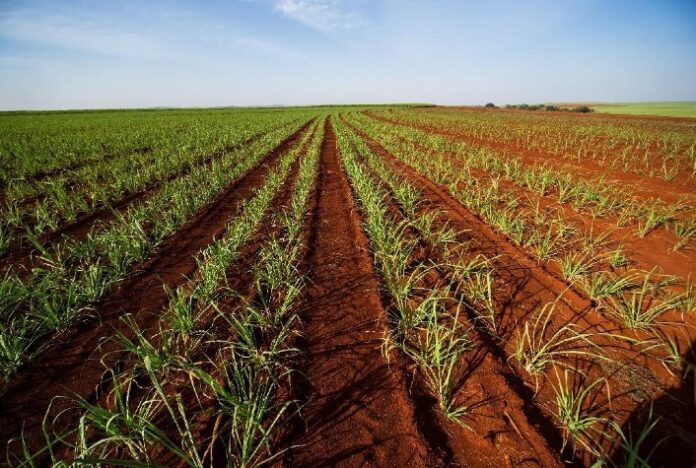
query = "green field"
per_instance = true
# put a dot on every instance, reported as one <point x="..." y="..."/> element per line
<point x="669" y="109"/>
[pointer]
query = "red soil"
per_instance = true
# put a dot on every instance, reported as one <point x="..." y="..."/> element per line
<point x="359" y="412"/>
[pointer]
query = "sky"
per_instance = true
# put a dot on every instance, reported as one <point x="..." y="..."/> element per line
<point x="159" y="53"/>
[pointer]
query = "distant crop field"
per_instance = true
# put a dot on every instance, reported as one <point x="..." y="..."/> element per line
<point x="248" y="287"/>
<point x="667" y="109"/>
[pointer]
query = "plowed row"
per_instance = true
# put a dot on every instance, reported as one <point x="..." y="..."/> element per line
<point x="351" y="393"/>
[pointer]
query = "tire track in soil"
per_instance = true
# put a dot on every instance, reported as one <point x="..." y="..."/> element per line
<point x="359" y="411"/>
<point x="20" y="255"/>
<point x="527" y="289"/>
<point x="72" y="366"/>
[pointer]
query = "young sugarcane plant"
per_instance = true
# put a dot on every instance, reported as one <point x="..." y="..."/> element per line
<point x="479" y="291"/>
<point x="437" y="348"/>
<point x="5" y="239"/>
<point x="654" y="216"/>
<point x="685" y="230"/>
<point x="634" y="454"/>
<point x="576" y="265"/>
<point x="575" y="417"/>
<point x="15" y="344"/>
<point x="604" y="284"/>
<point x="617" y="258"/>
<point x="248" y="415"/>
<point x="687" y="300"/>
<point x="641" y="309"/>
<point x="540" y="346"/>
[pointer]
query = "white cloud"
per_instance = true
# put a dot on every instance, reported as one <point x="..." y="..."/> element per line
<point x="180" y="39"/>
<point x="323" y="15"/>
<point x="83" y="32"/>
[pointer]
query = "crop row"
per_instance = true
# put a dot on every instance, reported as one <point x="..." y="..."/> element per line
<point x="428" y="322"/>
<point x="420" y="326"/>
<point x="586" y="195"/>
<point x="636" y="299"/>
<point x="658" y="149"/>
<point x="219" y="355"/>
<point x="68" y="281"/>
<point x="40" y="206"/>
<point x="34" y="147"/>
<point x="585" y="258"/>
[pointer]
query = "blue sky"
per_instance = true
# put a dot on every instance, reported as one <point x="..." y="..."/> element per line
<point x="93" y="54"/>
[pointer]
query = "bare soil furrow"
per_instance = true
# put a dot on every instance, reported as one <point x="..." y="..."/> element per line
<point x="359" y="412"/>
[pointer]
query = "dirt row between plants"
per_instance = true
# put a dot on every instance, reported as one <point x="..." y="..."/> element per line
<point x="646" y="253"/>
<point x="359" y="412"/>
<point x="647" y="187"/>
<point x="20" y="254"/>
<point x="73" y="364"/>
<point x="525" y="288"/>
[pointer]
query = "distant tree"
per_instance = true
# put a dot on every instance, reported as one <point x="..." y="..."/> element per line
<point x="489" y="104"/>
<point x="582" y="109"/>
